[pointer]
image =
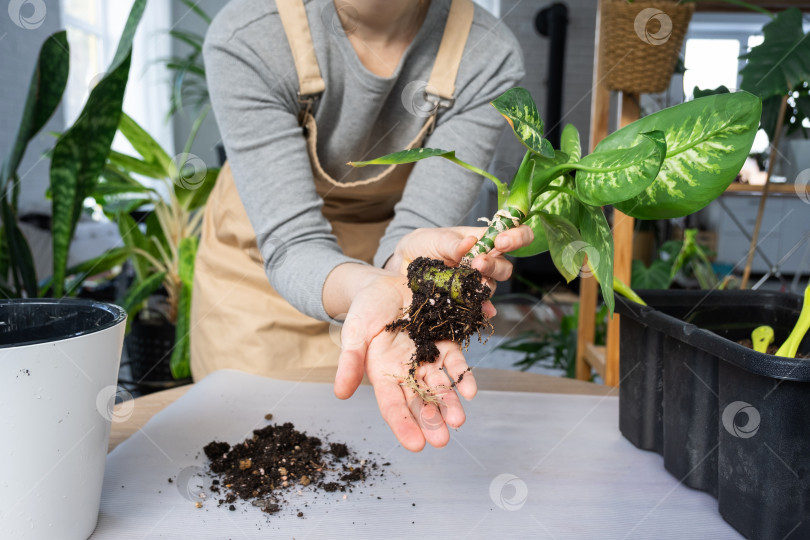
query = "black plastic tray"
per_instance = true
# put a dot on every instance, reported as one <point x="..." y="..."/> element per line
<point x="727" y="420"/>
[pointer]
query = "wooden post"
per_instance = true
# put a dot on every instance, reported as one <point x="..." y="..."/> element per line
<point x="600" y="117"/>
<point x="777" y="134"/>
<point x="623" y="226"/>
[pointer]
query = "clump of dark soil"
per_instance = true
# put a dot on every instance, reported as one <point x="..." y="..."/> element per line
<point x="772" y="348"/>
<point x="279" y="460"/>
<point x="447" y="304"/>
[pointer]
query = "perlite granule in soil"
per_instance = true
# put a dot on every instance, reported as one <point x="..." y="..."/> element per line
<point x="278" y="463"/>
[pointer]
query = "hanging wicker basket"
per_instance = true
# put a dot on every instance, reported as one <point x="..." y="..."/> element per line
<point x="640" y="42"/>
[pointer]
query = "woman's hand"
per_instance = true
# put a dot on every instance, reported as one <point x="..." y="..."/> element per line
<point x="450" y="244"/>
<point x="385" y="358"/>
<point x="377" y="298"/>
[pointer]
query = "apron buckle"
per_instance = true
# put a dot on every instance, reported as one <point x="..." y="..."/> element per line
<point x="438" y="102"/>
<point x="306" y="102"/>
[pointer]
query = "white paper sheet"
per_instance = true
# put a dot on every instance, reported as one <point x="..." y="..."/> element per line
<point x="524" y="465"/>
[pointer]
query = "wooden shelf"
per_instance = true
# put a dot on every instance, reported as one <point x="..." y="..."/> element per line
<point x="774" y="188"/>
<point x="595" y="357"/>
<point x="771" y="5"/>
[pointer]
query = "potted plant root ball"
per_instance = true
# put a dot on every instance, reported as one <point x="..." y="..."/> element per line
<point x="58" y="369"/>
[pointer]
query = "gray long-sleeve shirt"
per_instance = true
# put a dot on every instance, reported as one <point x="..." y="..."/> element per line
<point x="253" y="86"/>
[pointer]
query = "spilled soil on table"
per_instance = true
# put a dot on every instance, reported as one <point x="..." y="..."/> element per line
<point x="278" y="462"/>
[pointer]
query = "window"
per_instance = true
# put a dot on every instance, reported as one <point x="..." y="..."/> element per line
<point x="94" y="27"/>
<point x="712" y="47"/>
<point x="710" y="63"/>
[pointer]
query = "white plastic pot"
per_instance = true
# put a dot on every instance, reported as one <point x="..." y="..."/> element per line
<point x="58" y="370"/>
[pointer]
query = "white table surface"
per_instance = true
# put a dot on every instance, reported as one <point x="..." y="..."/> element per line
<point x="524" y="465"/>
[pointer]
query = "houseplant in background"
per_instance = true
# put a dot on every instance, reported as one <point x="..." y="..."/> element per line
<point x="778" y="71"/>
<point x="59" y="357"/>
<point x="685" y="259"/>
<point x="189" y="87"/>
<point x="162" y="254"/>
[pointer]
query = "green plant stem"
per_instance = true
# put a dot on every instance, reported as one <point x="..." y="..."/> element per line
<point x="620" y="287"/>
<point x="791" y="345"/>
<point x="449" y="279"/>
<point x="505" y="219"/>
<point x="502" y="188"/>
<point x="560" y="189"/>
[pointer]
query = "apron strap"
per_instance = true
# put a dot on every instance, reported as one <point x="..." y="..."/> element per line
<point x="296" y="25"/>
<point x="442" y="83"/>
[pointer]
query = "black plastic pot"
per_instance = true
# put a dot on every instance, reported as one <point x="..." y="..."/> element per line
<point x="727" y="420"/>
<point x="149" y="350"/>
<point x="149" y="346"/>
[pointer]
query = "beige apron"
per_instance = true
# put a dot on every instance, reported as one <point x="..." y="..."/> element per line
<point x="237" y="319"/>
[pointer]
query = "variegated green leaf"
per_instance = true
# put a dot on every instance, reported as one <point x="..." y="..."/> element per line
<point x="5" y="259"/>
<point x="545" y="172"/>
<point x="570" y="144"/>
<point x="564" y="242"/>
<point x="187" y="254"/>
<point x="180" y="361"/>
<point x="92" y="267"/>
<point x="708" y="140"/>
<point x="181" y="354"/>
<point x="609" y="176"/>
<point x="132" y="237"/>
<point x="151" y="152"/>
<point x="155" y="233"/>
<point x="142" y="290"/>
<point x="44" y="94"/>
<point x="81" y="152"/>
<point x="134" y="165"/>
<point x="23" y="272"/>
<point x="552" y="202"/>
<point x="200" y="195"/>
<point x="519" y="109"/>
<point x="598" y="246"/>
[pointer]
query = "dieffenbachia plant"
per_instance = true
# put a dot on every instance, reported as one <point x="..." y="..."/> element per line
<point x="669" y="164"/>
